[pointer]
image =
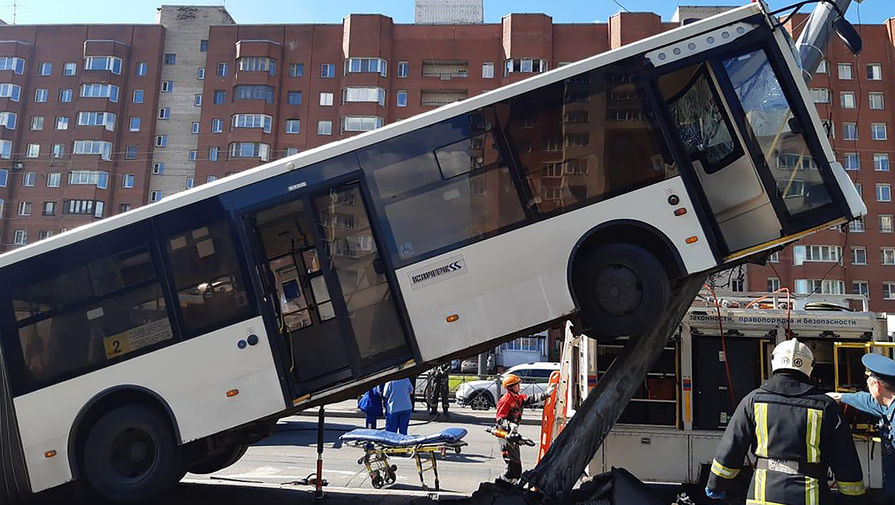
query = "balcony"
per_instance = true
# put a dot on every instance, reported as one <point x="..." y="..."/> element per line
<point x="446" y="70"/>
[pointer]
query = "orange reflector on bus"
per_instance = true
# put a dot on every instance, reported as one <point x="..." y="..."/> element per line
<point x="232" y="393"/>
<point x="680" y="212"/>
<point x="49" y="454"/>
<point x="453" y="317"/>
<point x="693" y="239"/>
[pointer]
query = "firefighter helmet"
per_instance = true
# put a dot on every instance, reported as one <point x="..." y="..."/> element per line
<point x="792" y="355"/>
<point x="510" y="379"/>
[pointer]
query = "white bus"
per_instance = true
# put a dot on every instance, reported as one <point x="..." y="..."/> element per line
<point x="168" y="338"/>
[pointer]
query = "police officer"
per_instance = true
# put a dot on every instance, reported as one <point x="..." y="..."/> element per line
<point x="795" y="433"/>
<point x="880" y="402"/>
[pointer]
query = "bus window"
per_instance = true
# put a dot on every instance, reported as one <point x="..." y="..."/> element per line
<point x="207" y="277"/>
<point x="799" y="180"/>
<point x="589" y="137"/>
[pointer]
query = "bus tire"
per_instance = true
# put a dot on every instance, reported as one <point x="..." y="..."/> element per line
<point x="130" y="455"/>
<point x="622" y="290"/>
<point x="227" y="458"/>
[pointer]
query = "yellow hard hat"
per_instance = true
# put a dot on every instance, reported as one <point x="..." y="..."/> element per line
<point x="510" y="379"/>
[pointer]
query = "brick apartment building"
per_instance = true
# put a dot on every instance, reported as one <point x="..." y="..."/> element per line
<point x="198" y="97"/>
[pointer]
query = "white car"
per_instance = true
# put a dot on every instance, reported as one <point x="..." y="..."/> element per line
<point x="483" y="394"/>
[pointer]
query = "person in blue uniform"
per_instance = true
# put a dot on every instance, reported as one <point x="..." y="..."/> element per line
<point x="879" y="401"/>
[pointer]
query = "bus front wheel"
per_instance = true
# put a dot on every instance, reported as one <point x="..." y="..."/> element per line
<point x="622" y="290"/>
<point x="226" y="458"/>
<point x="130" y="455"/>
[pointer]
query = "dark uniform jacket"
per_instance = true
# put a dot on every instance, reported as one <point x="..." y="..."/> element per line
<point x="796" y="433"/>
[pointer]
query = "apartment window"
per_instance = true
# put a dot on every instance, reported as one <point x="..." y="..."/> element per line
<point x="773" y="284"/>
<point x="822" y="67"/>
<point x="401" y="100"/>
<point x="324" y="127"/>
<point x="54" y="179"/>
<point x="20" y="237"/>
<point x="11" y="91"/>
<point x="37" y="123"/>
<point x="874" y="72"/>
<point x="127" y="181"/>
<point x="845" y="70"/>
<point x="860" y="288"/>
<point x="361" y="123"/>
<point x="881" y="162"/>
<point x="256" y="64"/>
<point x="849" y="131"/>
<point x="130" y="152"/>
<point x="200" y="73"/>
<point x="525" y="65"/>
<point x="97" y="178"/>
<point x="100" y="90"/>
<point x="49" y="209"/>
<point x="326" y="99"/>
<point x="366" y="65"/>
<point x="296" y="69"/>
<point x="847" y="99"/>
<point x="164" y="113"/>
<point x="262" y="121"/>
<point x="158" y="168"/>
<point x="4" y="175"/>
<point x="133" y="124"/>
<point x="142" y="69"/>
<point x="293" y="97"/>
<point x="190" y="182"/>
<point x="811" y="253"/>
<point x="878" y="131"/>
<point x="8" y="120"/>
<point x="402" y="69"/>
<point x="774" y="257"/>
<point x="104" y="119"/>
<point x="877" y="101"/>
<point x="222" y="69"/>
<point x="291" y="151"/>
<point x="203" y="45"/>
<point x="887" y="255"/>
<point x="211" y="178"/>
<point x="138" y="96"/>
<point x="58" y="150"/>
<point x="124" y="207"/>
<point x="69" y="69"/>
<point x="253" y="92"/>
<point x="859" y="256"/>
<point x="328" y="70"/>
<point x="46" y="68"/>
<point x="220" y="96"/>
<point x="488" y="70"/>
<point x="195" y="128"/>
<point x="819" y="286"/>
<point x="889" y="290"/>
<point x="62" y="123"/>
<point x="193" y="155"/>
<point x="40" y="95"/>
<point x="860" y="188"/>
<point x="217" y="125"/>
<point x="155" y="196"/>
<point x="167" y="86"/>
<point x="293" y="126"/>
<point x="883" y="193"/>
<point x="30" y="178"/>
<point x="33" y="152"/>
<point x="5" y="149"/>
<point x="360" y="95"/>
<point x="170" y="58"/>
<point x="161" y="141"/>
<point x="109" y="63"/>
<point x="820" y="95"/>
<point x="104" y="149"/>
<point x="886" y="224"/>
<point x="213" y="153"/>
<point x="197" y="100"/>
<point x="249" y="150"/>
<point x="13" y="63"/>
<point x="24" y="208"/>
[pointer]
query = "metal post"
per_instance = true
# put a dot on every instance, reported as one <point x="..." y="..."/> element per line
<point x="570" y="453"/>
<point x="318" y="491"/>
<point x="483" y="356"/>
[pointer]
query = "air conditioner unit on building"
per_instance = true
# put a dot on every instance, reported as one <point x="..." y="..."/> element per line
<point x="17" y="165"/>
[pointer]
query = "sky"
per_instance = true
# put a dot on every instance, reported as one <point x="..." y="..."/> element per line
<point x="321" y="11"/>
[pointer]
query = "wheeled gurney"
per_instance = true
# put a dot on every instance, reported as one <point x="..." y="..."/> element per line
<point x="379" y="444"/>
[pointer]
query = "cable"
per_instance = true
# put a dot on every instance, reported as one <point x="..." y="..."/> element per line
<point x="620" y="5"/>
<point x="730" y="392"/>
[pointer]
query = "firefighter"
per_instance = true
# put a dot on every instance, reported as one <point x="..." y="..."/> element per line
<point x="795" y="432"/>
<point x="509" y="414"/>
<point x="437" y="386"/>
<point x="879" y="402"/>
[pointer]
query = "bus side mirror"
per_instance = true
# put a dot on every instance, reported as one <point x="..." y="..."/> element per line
<point x="848" y="34"/>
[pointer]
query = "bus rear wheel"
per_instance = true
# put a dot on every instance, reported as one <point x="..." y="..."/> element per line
<point x="622" y="290"/>
<point x="130" y="455"/>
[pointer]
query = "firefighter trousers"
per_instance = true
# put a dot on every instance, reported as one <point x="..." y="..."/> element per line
<point x="511" y="456"/>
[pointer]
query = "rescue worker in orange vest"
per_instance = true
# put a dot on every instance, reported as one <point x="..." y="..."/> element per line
<point x="796" y="433"/>
<point x="509" y="414"/>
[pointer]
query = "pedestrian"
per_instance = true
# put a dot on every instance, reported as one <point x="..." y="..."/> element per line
<point x="371" y="404"/>
<point x="437" y="386"/>
<point x="879" y="401"/>
<point x="509" y="415"/>
<point x="795" y="433"/>
<point x="398" y="395"/>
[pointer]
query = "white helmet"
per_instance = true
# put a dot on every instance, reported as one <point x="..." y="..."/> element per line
<point x="793" y="355"/>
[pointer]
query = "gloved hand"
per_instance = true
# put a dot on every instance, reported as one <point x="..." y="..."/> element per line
<point x="715" y="495"/>
<point x="550" y="389"/>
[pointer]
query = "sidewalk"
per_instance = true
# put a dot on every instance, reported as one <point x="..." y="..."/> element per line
<point x="460" y="415"/>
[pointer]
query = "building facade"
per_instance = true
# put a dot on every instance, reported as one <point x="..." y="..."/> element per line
<point x="99" y="119"/>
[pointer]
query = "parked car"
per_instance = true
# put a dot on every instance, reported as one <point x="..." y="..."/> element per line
<point x="469" y="365"/>
<point x="483" y="394"/>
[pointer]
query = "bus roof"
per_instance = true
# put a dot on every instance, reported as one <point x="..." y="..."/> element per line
<point x="339" y="147"/>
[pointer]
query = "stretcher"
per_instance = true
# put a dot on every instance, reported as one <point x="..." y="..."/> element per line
<point x="378" y="445"/>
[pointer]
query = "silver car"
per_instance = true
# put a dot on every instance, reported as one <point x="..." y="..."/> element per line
<point x="483" y="394"/>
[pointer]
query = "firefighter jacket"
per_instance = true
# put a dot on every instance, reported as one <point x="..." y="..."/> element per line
<point x="509" y="407"/>
<point x="796" y="433"/>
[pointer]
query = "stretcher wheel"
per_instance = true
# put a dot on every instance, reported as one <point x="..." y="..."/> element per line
<point x="457" y="450"/>
<point x="390" y="477"/>
<point x="378" y="482"/>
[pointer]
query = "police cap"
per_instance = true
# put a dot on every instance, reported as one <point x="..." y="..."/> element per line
<point x="881" y="366"/>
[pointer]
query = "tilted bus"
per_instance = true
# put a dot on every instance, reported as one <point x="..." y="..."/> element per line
<point x="168" y="338"/>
